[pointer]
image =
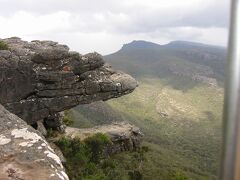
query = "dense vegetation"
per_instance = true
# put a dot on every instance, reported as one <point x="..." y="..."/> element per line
<point x="180" y="117"/>
<point x="87" y="159"/>
<point x="3" y="46"/>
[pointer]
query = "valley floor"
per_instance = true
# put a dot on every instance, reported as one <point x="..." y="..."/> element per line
<point x="182" y="128"/>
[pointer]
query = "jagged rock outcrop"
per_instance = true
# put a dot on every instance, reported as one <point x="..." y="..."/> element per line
<point x="24" y="153"/>
<point x="55" y="121"/>
<point x="41" y="78"/>
<point x="124" y="136"/>
<point x="38" y="80"/>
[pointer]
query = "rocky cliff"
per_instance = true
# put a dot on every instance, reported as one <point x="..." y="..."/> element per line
<point x="41" y="78"/>
<point x="24" y="153"/>
<point x="38" y="80"/>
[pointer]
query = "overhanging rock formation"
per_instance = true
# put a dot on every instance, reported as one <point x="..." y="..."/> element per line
<point x="41" y="78"/>
<point x="38" y="79"/>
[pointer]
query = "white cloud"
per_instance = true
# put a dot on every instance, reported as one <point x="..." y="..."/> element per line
<point x="105" y="25"/>
<point x="26" y="24"/>
<point x="210" y="35"/>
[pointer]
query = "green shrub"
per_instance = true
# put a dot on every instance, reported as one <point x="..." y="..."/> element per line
<point x="3" y="46"/>
<point x="66" y="119"/>
<point x="108" y="163"/>
<point x="179" y="175"/>
<point x="96" y="144"/>
<point x="83" y="157"/>
<point x="52" y="133"/>
<point x="145" y="148"/>
<point x="95" y="177"/>
<point x="135" y="175"/>
<point x="86" y="160"/>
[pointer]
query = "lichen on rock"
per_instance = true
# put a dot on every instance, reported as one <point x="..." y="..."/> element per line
<point x="24" y="153"/>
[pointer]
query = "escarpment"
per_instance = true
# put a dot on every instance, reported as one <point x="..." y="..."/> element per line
<point x="38" y="79"/>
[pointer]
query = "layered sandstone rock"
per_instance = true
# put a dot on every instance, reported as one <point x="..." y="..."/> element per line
<point x="24" y="153"/>
<point x="41" y="78"/>
<point x="38" y="80"/>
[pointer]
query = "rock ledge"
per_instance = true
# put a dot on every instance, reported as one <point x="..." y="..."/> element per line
<point x="124" y="136"/>
<point x="41" y="78"/>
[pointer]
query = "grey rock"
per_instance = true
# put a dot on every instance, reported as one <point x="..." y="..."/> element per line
<point x="41" y="128"/>
<point x="55" y="122"/>
<point x="58" y="152"/>
<point x="123" y="136"/>
<point x="41" y="78"/>
<point x="24" y="152"/>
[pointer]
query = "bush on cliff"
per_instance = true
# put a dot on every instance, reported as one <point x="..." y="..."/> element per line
<point x="3" y="46"/>
<point x="96" y="144"/>
<point x="86" y="159"/>
<point x="83" y="157"/>
<point x="66" y="118"/>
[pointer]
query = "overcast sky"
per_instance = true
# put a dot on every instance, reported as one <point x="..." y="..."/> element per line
<point x="105" y="25"/>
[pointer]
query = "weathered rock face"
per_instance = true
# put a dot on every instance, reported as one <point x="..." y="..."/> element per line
<point x="24" y="153"/>
<point x="124" y="136"/>
<point x="40" y="78"/>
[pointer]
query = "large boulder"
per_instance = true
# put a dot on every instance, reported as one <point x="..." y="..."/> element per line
<point x="41" y="78"/>
<point x="123" y="136"/>
<point x="24" y="153"/>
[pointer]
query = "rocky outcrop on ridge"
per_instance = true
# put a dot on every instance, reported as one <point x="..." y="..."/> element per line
<point x="124" y="136"/>
<point x="41" y="78"/>
<point x="24" y="153"/>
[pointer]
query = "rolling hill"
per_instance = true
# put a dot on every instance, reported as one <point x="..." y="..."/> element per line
<point x="178" y="106"/>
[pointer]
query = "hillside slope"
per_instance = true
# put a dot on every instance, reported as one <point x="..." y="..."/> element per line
<point x="97" y="113"/>
<point x="190" y="60"/>
<point x="178" y="106"/>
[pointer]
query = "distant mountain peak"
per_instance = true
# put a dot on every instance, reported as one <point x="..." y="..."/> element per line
<point x="140" y="44"/>
<point x="180" y="43"/>
<point x="185" y="42"/>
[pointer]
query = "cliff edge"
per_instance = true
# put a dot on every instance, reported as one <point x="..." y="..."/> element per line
<point x="38" y="80"/>
<point x="41" y="78"/>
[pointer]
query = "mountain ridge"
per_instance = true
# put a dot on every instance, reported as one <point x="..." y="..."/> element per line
<point x="142" y="44"/>
<point x="194" y="60"/>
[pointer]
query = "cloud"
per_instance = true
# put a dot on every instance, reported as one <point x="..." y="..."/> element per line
<point x="26" y="24"/>
<point x="107" y="24"/>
